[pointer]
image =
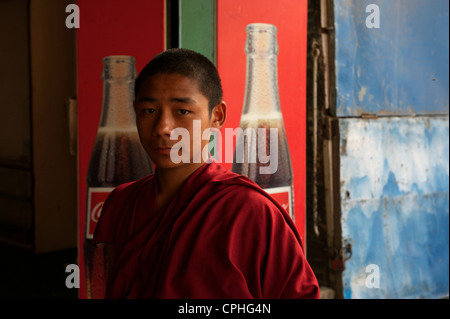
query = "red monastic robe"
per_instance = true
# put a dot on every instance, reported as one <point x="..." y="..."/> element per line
<point x="221" y="236"/>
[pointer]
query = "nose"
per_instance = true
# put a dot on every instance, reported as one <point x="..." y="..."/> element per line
<point x="164" y="124"/>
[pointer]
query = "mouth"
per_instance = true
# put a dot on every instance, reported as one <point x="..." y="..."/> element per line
<point x="165" y="150"/>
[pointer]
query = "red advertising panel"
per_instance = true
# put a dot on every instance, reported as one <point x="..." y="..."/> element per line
<point x="107" y="28"/>
<point x="266" y="39"/>
<point x="284" y="23"/>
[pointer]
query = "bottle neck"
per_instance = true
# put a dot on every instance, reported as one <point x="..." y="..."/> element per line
<point x="117" y="108"/>
<point x="119" y="74"/>
<point x="261" y="91"/>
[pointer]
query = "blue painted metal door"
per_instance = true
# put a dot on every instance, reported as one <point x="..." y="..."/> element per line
<point x="394" y="168"/>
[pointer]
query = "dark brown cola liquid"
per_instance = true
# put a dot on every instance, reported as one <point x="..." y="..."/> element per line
<point x="283" y="175"/>
<point x="117" y="157"/>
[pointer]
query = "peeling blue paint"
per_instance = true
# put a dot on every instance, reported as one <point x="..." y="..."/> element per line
<point x="400" y="68"/>
<point x="394" y="170"/>
<point x="395" y="205"/>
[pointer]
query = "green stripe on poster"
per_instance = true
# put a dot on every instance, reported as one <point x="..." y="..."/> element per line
<point x="197" y="26"/>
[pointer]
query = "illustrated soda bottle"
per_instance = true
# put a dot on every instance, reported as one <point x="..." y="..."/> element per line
<point x="262" y="131"/>
<point x="117" y="157"/>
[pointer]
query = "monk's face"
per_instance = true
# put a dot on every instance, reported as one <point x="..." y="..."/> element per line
<point x="172" y="116"/>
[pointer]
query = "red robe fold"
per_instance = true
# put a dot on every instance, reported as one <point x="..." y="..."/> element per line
<point x="221" y="236"/>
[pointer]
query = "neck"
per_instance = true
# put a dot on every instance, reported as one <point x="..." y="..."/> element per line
<point x="171" y="179"/>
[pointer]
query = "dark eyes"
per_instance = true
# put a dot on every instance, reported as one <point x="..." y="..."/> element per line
<point x="183" y="112"/>
<point x="149" y="111"/>
<point x="153" y="111"/>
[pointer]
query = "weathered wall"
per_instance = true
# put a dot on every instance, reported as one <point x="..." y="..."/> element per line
<point x="392" y="105"/>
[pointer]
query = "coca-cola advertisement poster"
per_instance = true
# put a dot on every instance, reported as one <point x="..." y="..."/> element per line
<point x="121" y="36"/>
<point x="265" y="96"/>
<point x="285" y="23"/>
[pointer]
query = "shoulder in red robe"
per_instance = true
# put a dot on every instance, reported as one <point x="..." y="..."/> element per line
<point x="221" y="236"/>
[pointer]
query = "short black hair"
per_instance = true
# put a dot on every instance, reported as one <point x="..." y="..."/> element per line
<point x="190" y="64"/>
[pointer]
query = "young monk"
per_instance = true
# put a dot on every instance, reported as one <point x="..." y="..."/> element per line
<point x="195" y="230"/>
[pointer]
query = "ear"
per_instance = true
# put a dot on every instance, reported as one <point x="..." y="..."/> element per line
<point x="219" y="115"/>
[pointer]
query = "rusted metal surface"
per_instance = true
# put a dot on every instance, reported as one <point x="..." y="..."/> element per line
<point x="394" y="175"/>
